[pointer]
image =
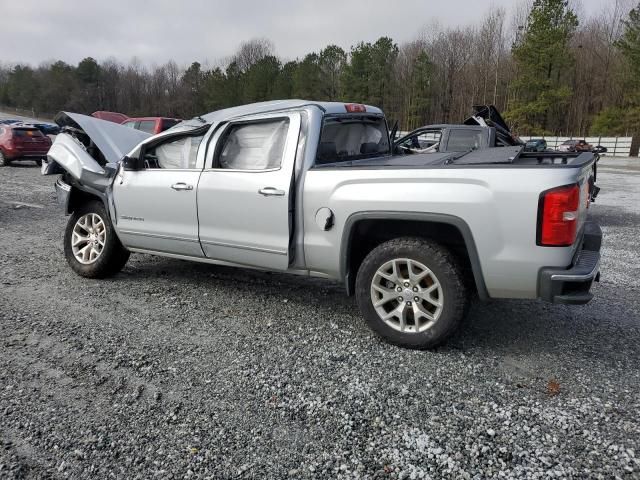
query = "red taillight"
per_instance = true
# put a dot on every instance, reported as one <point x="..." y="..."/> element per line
<point x="355" y="108"/>
<point x="558" y="216"/>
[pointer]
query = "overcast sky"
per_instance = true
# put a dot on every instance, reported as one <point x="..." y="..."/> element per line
<point x="34" y="31"/>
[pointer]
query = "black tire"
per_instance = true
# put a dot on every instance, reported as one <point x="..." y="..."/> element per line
<point x="113" y="255"/>
<point x="3" y="160"/>
<point x="38" y="162"/>
<point x="446" y="269"/>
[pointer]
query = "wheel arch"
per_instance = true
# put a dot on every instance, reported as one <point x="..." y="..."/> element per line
<point x="78" y="196"/>
<point x="357" y="243"/>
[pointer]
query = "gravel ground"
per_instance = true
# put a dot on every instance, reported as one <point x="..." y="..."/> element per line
<point x="180" y="370"/>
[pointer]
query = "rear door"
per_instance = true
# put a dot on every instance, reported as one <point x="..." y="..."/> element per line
<point x="245" y="191"/>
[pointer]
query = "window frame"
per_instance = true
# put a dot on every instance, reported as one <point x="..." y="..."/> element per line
<point x="353" y="115"/>
<point x="214" y="161"/>
<point x="197" y="132"/>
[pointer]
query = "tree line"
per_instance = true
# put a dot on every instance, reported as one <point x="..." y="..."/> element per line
<point x="546" y="69"/>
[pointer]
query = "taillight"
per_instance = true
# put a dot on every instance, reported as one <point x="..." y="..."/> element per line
<point x="355" y="108"/>
<point x="558" y="213"/>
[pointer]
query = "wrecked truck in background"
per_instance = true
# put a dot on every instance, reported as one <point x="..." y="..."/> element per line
<point x="314" y="188"/>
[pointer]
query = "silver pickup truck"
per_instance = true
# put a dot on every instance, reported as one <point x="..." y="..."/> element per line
<point x="313" y="188"/>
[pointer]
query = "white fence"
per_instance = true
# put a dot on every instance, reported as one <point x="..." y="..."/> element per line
<point x="616" y="146"/>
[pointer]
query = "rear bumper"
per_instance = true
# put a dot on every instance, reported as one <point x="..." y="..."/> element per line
<point x="573" y="285"/>
<point x="17" y="154"/>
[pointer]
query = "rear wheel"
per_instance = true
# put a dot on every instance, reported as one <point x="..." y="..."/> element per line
<point x="38" y="162"/>
<point x="91" y="245"/>
<point x="411" y="292"/>
<point x="3" y="160"/>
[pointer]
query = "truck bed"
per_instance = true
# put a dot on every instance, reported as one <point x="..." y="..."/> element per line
<point x="502" y="156"/>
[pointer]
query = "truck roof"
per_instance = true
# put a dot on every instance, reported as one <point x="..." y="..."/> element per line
<point x="276" y="105"/>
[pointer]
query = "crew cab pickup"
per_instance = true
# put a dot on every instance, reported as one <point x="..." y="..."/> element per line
<point x="313" y="188"/>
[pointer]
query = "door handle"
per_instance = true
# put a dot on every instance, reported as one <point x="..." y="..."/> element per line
<point x="271" y="192"/>
<point x="181" y="186"/>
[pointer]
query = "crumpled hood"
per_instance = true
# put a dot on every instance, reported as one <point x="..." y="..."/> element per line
<point x="112" y="139"/>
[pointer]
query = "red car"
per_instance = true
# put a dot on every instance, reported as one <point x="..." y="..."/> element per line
<point x="151" y="125"/>
<point x="22" y="142"/>
<point x="114" y="117"/>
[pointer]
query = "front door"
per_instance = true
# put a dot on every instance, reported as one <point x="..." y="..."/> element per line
<point x="244" y="194"/>
<point x="156" y="206"/>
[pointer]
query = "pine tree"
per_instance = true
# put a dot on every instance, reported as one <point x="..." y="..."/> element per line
<point x="543" y="61"/>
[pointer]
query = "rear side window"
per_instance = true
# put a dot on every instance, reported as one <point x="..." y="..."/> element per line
<point x="130" y="124"/>
<point x="148" y="126"/>
<point x="351" y="137"/>
<point x="254" y="146"/>
<point x="464" y="140"/>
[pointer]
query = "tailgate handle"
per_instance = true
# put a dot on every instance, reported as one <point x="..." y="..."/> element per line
<point x="181" y="186"/>
<point x="271" y="192"/>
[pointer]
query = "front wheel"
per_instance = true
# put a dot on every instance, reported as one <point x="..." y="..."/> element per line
<point x="3" y="160"/>
<point x="411" y="292"/>
<point x="91" y="245"/>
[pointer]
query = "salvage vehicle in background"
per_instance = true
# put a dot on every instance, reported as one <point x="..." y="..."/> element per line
<point x="22" y="142"/>
<point x="535" y="145"/>
<point x="485" y="128"/>
<point x="46" y="128"/>
<point x="151" y="125"/>
<point x="313" y="188"/>
<point x="575" y="146"/>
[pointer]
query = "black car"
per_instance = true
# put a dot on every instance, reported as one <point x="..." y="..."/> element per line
<point x="536" y="145"/>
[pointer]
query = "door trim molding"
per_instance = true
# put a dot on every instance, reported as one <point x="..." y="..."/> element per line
<point x="244" y="247"/>
<point x="156" y="235"/>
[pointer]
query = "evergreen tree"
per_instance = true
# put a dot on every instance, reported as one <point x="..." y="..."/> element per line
<point x="629" y="47"/>
<point x="419" y="90"/>
<point x="307" y="79"/>
<point x="543" y="61"/>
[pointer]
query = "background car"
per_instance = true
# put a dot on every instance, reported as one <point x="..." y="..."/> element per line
<point x="151" y="125"/>
<point x="575" y="146"/>
<point x="9" y="121"/>
<point x="46" y="128"/>
<point x="22" y="142"/>
<point x="114" y="117"/>
<point x="536" y="145"/>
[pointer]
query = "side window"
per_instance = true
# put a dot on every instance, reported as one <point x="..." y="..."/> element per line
<point x="175" y="154"/>
<point x="148" y="126"/>
<point x="131" y="124"/>
<point x="423" y="142"/>
<point x="463" y="140"/>
<point x="254" y="146"/>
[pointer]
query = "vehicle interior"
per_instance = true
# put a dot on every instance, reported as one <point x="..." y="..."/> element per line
<point x="352" y="137"/>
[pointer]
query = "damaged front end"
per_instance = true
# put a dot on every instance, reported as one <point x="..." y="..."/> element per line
<point x="87" y="154"/>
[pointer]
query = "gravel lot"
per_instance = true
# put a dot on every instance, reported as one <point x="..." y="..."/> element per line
<point x="180" y="370"/>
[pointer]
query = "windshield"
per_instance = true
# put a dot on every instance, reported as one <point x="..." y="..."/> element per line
<point x="352" y="137"/>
